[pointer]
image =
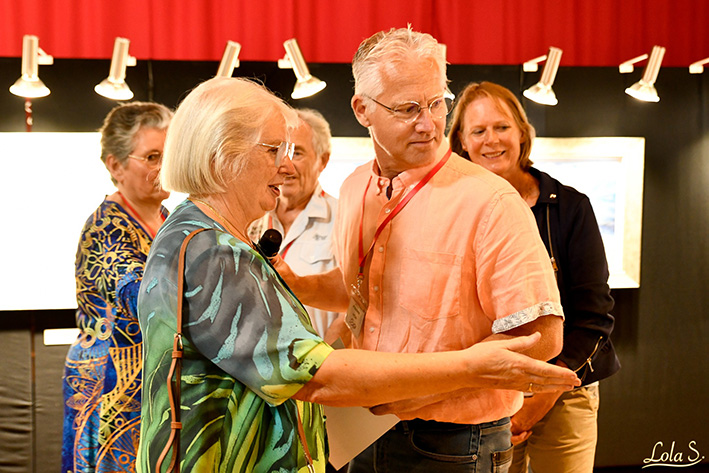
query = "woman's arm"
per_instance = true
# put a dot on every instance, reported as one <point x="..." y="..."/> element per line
<point x="546" y="348"/>
<point x="368" y="378"/>
<point x="585" y="292"/>
<point x="111" y="262"/>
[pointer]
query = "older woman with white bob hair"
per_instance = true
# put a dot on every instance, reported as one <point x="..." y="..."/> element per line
<point x="248" y="370"/>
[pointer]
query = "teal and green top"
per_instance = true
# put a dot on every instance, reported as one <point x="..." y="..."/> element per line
<point x="248" y="347"/>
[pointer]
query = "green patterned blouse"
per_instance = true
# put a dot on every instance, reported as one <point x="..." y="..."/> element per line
<point x="248" y="347"/>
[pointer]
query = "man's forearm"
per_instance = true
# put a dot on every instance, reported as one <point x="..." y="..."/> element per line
<point x="325" y="290"/>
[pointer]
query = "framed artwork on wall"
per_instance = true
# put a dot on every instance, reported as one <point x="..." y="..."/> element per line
<point x="607" y="169"/>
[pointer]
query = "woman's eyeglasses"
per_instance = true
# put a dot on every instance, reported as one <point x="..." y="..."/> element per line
<point x="152" y="160"/>
<point x="281" y="150"/>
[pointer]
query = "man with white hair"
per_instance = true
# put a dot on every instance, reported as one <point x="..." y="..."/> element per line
<point x="305" y="213"/>
<point x="435" y="254"/>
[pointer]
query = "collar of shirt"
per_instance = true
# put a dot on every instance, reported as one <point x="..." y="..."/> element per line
<point x="317" y="206"/>
<point x="317" y="209"/>
<point x="406" y="179"/>
<point x="548" y="190"/>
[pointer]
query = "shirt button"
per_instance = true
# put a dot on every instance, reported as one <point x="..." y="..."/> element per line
<point x="371" y="329"/>
<point x="381" y="249"/>
<point x="387" y="211"/>
<point x="376" y="288"/>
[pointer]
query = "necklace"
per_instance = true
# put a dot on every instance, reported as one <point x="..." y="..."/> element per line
<point x="137" y="215"/>
<point x="224" y="221"/>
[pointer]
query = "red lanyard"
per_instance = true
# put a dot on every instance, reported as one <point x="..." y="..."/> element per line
<point x="284" y="251"/>
<point x="402" y="203"/>
<point x="151" y="232"/>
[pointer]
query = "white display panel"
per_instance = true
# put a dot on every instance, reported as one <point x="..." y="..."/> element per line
<point x="51" y="182"/>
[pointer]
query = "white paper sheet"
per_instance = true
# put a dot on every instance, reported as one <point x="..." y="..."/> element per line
<point x="350" y="430"/>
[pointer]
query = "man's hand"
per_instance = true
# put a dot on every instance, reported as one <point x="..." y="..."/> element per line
<point x="338" y="329"/>
<point x="284" y="270"/>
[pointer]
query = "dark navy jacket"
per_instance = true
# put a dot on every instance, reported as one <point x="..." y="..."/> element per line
<point x="582" y="276"/>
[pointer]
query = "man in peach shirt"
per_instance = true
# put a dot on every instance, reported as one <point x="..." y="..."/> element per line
<point x="436" y="254"/>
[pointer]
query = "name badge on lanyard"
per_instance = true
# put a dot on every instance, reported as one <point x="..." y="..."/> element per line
<point x="357" y="308"/>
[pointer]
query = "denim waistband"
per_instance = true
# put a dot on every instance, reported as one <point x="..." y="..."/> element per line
<point x="420" y="424"/>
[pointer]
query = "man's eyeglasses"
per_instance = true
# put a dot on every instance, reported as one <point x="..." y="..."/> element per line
<point x="410" y="111"/>
<point x="152" y="160"/>
<point x="280" y="151"/>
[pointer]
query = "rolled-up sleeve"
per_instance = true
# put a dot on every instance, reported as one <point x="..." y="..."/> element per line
<point x="515" y="279"/>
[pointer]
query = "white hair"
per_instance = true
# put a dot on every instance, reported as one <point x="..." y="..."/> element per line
<point x="320" y="128"/>
<point x="387" y="49"/>
<point x="214" y="127"/>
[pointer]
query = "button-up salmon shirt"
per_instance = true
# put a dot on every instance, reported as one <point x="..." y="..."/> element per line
<point x="461" y="261"/>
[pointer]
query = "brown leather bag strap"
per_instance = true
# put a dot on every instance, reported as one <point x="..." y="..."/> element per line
<point x="303" y="441"/>
<point x="174" y="375"/>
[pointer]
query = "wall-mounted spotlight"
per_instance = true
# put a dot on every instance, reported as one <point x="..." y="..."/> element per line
<point x="29" y="85"/>
<point x="541" y="92"/>
<point x="306" y="84"/>
<point x="644" y="89"/>
<point x="698" y="67"/>
<point x="230" y="59"/>
<point x="114" y="86"/>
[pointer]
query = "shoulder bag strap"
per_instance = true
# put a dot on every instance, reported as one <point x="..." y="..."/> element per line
<point x="304" y="442"/>
<point x="174" y="376"/>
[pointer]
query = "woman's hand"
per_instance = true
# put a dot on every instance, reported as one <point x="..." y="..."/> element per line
<point x="499" y="365"/>
<point x="533" y="410"/>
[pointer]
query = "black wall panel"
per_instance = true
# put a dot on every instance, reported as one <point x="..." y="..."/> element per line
<point x="16" y="393"/>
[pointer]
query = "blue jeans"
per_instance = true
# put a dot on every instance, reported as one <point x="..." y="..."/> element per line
<point x="429" y="446"/>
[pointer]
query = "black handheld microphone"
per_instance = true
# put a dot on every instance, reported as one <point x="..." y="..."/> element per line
<point x="270" y="243"/>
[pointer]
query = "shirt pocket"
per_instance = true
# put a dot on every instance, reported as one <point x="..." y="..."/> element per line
<point x="429" y="284"/>
<point x="316" y="253"/>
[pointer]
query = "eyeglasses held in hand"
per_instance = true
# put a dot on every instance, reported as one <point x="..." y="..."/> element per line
<point x="152" y="160"/>
<point x="284" y="149"/>
<point x="410" y="111"/>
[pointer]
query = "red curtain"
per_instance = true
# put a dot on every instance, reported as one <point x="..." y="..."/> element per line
<point x="591" y="33"/>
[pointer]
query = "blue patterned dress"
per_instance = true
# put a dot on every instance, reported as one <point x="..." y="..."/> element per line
<point x="249" y="347"/>
<point x="102" y="373"/>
